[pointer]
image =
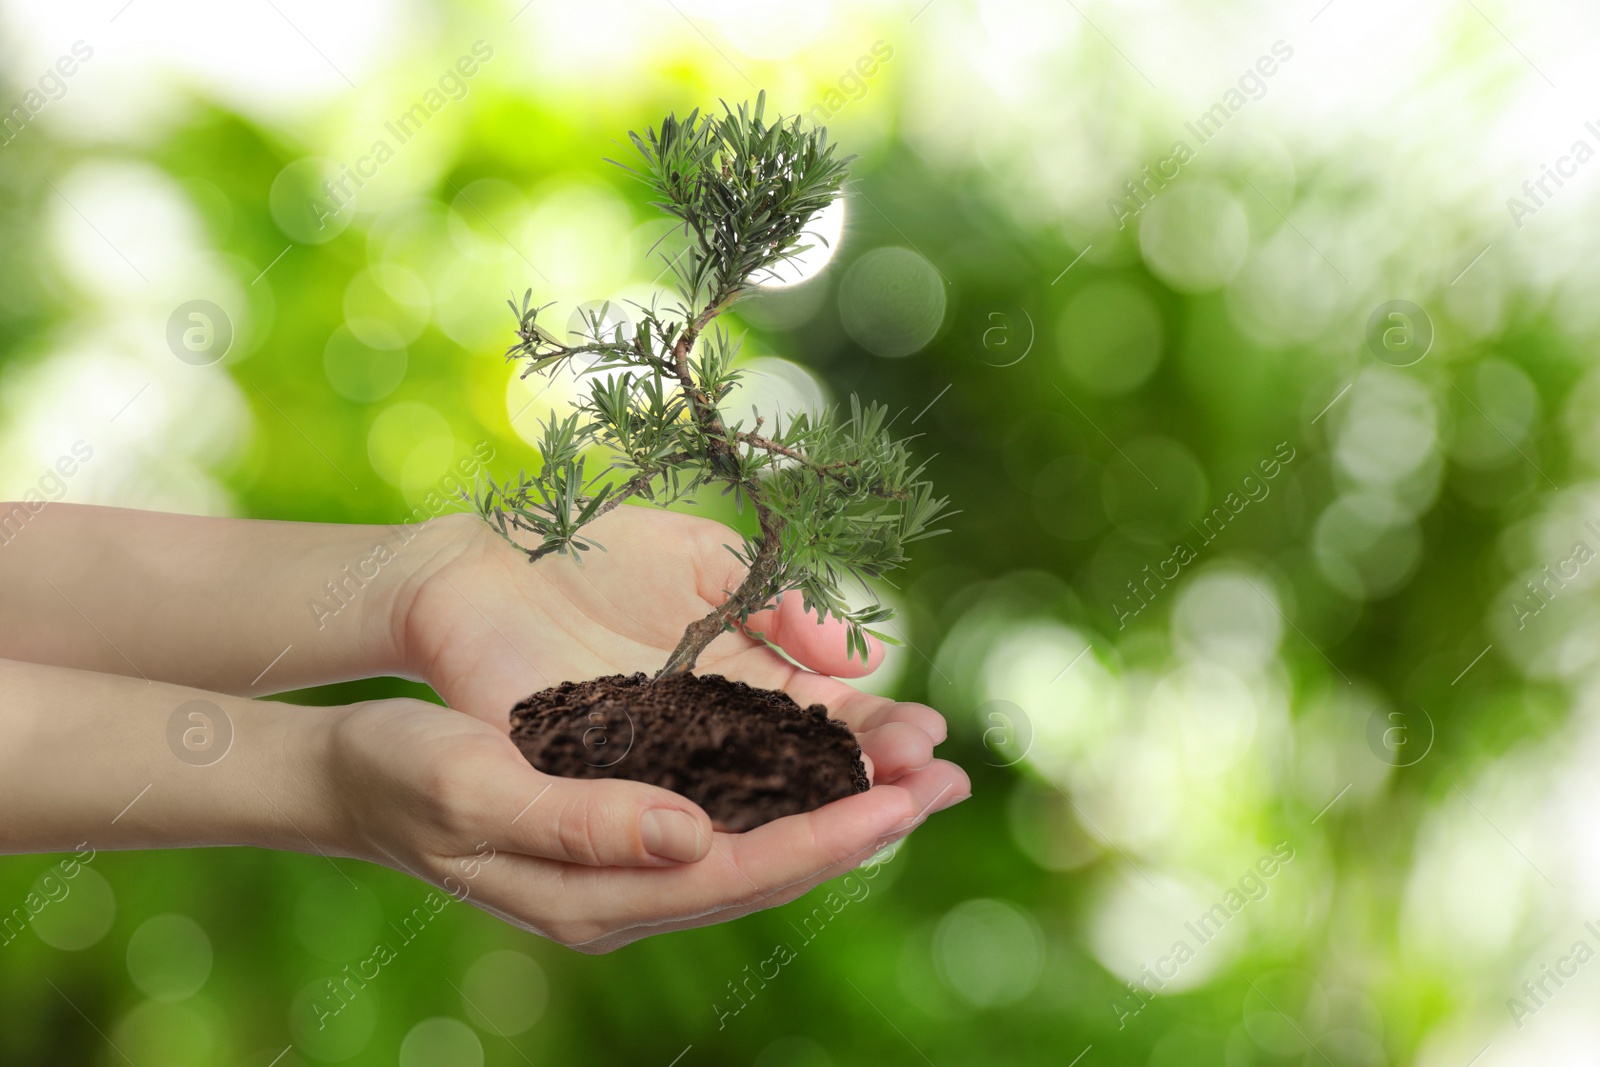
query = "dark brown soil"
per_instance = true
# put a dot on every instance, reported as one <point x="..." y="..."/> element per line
<point x="745" y="755"/>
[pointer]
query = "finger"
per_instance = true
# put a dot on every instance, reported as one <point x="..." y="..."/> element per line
<point x="938" y="782"/>
<point x="629" y="934"/>
<point x="933" y="788"/>
<point x="754" y="866"/>
<point x="862" y="711"/>
<point x="596" y="908"/>
<point x="582" y="905"/>
<point x="760" y="666"/>
<point x="895" y="748"/>
<point x="820" y="646"/>
<point x="607" y="823"/>
<point x="751" y="866"/>
<point x="921" y="716"/>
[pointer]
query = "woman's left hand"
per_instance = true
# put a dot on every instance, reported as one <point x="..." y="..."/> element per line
<point x="486" y="628"/>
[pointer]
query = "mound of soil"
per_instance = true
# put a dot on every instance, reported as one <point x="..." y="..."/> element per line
<point x="745" y="755"/>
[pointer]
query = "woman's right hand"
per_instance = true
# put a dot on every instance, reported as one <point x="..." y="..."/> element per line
<point x="592" y="864"/>
<point x="100" y="761"/>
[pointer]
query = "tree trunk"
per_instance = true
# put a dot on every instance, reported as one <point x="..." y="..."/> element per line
<point x="748" y="596"/>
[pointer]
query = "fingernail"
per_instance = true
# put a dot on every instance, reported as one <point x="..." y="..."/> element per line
<point x="670" y="835"/>
<point x="951" y="802"/>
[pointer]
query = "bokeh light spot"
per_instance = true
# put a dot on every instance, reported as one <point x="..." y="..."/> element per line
<point x="1228" y="616"/>
<point x="364" y="370"/>
<point x="1389" y="428"/>
<point x="441" y="1042"/>
<point x="78" y="912"/>
<point x="1110" y="338"/>
<point x="822" y="234"/>
<point x="306" y="203"/>
<point x="578" y="236"/>
<point x="1153" y="488"/>
<point x="1493" y="419"/>
<point x="1364" y="546"/>
<point x="504" y="992"/>
<point x="989" y="952"/>
<point x="892" y="301"/>
<point x="393" y="298"/>
<point x="169" y="1034"/>
<point x="402" y="430"/>
<point x="776" y="389"/>
<point x="169" y="957"/>
<point x="1195" y="236"/>
<point x="333" y="1022"/>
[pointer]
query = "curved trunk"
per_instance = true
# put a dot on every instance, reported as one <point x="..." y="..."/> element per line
<point x="748" y="597"/>
<point x="751" y="594"/>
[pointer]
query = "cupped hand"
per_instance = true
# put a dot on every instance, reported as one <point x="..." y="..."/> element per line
<point x="486" y="628"/>
<point x="591" y="864"/>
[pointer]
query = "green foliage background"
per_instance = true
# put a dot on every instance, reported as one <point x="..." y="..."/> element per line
<point x="1103" y="803"/>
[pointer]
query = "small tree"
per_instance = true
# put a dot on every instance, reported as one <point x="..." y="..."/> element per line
<point x="834" y="497"/>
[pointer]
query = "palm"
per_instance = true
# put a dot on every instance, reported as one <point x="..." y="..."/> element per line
<point x="486" y="628"/>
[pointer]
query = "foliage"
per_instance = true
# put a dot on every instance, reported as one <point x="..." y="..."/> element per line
<point x="1148" y="757"/>
<point x="837" y="498"/>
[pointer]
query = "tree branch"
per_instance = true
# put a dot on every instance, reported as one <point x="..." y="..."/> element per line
<point x="744" y="190"/>
<point x="768" y="558"/>
<point x="769" y="445"/>
<point x="632" y="487"/>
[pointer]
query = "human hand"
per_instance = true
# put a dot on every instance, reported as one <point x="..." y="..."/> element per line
<point x="592" y="864"/>
<point x="91" y="761"/>
<point x="486" y="628"/>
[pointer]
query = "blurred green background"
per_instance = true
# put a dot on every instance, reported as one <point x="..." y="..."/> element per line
<point x="1266" y="629"/>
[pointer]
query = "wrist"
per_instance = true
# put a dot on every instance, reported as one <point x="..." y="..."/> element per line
<point x="426" y="548"/>
<point x="301" y="787"/>
<point x="273" y="786"/>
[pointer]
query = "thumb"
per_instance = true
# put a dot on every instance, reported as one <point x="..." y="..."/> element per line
<point x="818" y="646"/>
<point x="609" y="822"/>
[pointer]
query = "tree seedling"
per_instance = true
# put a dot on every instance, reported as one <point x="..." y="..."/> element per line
<point x="836" y="498"/>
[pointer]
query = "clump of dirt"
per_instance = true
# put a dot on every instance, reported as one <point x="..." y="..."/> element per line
<point x="745" y="755"/>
